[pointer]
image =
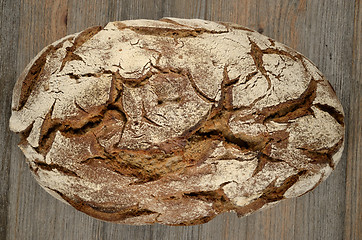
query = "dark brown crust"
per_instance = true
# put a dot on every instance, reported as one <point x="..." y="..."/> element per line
<point x="280" y="53"/>
<point x="180" y="155"/>
<point x="47" y="132"/>
<point x="91" y="120"/>
<point x="34" y="75"/>
<point x="136" y="82"/>
<point x="111" y="214"/>
<point x="332" y="111"/>
<point x="257" y="55"/>
<point x="212" y="129"/>
<point x="145" y="165"/>
<point x="35" y="72"/>
<point x="323" y="155"/>
<point x="25" y="134"/>
<point x="50" y="167"/>
<point x="79" y="41"/>
<point x="271" y="194"/>
<point x="165" y="32"/>
<point x="263" y="159"/>
<point x="220" y="202"/>
<point x="197" y="90"/>
<point x="170" y="32"/>
<point x="291" y="109"/>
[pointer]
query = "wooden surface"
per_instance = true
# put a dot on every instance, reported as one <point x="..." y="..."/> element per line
<point x="327" y="32"/>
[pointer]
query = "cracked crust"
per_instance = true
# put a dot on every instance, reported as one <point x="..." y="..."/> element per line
<point x="175" y="121"/>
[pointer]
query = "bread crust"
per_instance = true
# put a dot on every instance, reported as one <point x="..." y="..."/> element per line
<point x="175" y="121"/>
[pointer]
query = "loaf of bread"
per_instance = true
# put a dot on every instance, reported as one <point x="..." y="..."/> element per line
<point x="175" y="121"/>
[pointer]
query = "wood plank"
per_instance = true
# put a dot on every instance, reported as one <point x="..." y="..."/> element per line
<point x="321" y="31"/>
<point x="40" y="23"/>
<point x="83" y="14"/>
<point x="9" y="24"/>
<point x="120" y="10"/>
<point x="353" y="221"/>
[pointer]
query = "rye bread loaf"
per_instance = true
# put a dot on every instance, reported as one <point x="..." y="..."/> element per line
<point x="175" y="121"/>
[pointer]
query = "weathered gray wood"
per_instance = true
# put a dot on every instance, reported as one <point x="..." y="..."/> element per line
<point x="353" y="222"/>
<point x="39" y="23"/>
<point x="323" y="33"/>
<point x="321" y="30"/>
<point x="9" y="25"/>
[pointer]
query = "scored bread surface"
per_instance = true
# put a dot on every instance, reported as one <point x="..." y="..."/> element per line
<point x="175" y="121"/>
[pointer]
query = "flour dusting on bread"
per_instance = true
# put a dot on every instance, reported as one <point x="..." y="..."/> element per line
<point x="175" y="121"/>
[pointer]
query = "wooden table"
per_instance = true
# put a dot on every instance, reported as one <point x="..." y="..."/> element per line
<point x="327" y="32"/>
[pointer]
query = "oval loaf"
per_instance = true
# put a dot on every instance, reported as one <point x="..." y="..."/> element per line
<point x="175" y="121"/>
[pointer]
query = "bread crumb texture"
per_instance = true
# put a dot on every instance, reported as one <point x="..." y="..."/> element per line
<point x="175" y="121"/>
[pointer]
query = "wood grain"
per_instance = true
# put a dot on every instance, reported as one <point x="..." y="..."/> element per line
<point x="9" y="22"/>
<point x="324" y="31"/>
<point x="353" y="220"/>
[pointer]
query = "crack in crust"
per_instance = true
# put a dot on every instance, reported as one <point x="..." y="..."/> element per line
<point x="146" y="166"/>
<point x="220" y="202"/>
<point x="271" y="194"/>
<point x="291" y="109"/>
<point x="257" y="55"/>
<point x="153" y="164"/>
<point x="25" y="134"/>
<point x="79" y="41"/>
<point x="280" y="53"/>
<point x="112" y="214"/>
<point x="112" y="109"/>
<point x="136" y="82"/>
<point x="193" y="147"/>
<point x="188" y="75"/>
<point x="169" y="32"/>
<point x="332" y="111"/>
<point x="323" y="155"/>
<point x="201" y="94"/>
<point x="147" y="119"/>
<point x="34" y="75"/>
<point x="263" y="159"/>
<point x="199" y="30"/>
<point x="217" y="121"/>
<point x="47" y="132"/>
<point x="51" y="167"/>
